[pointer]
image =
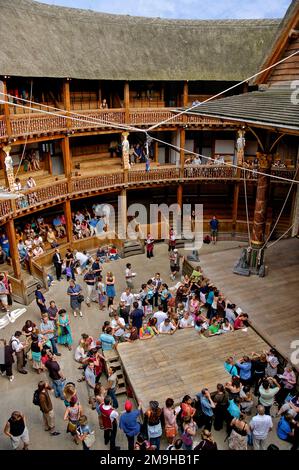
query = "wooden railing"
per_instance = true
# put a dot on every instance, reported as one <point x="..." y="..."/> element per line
<point x="209" y="171"/>
<point x="59" y="190"/>
<point x="35" y="122"/>
<point x="19" y="290"/>
<point x="38" y="272"/>
<point x="36" y="196"/>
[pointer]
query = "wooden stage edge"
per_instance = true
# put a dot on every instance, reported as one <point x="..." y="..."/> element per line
<point x="184" y="363"/>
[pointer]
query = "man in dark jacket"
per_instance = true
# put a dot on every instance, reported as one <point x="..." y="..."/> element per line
<point x="57" y="261"/>
<point x="46" y="407"/>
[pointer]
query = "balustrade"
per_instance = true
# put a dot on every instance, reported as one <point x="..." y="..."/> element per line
<point x="34" y="197"/>
<point x="5" y="208"/>
<point x="209" y="171"/>
<point x="153" y="175"/>
<point x="23" y="125"/>
<point x="96" y="182"/>
<point x="2" y="127"/>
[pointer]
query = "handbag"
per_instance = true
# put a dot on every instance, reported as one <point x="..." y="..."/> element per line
<point x="187" y="439"/>
<point x="90" y="439"/>
<point x="170" y="431"/>
<point x="80" y="298"/>
<point x="71" y="427"/>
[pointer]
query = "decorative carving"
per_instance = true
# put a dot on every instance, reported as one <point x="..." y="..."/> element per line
<point x="125" y="151"/>
<point x="9" y="168"/>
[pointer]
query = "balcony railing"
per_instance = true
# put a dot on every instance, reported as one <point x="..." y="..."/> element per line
<point x="37" y="196"/>
<point x="157" y="174"/>
<point x="36" y="123"/>
<point x="92" y="183"/>
<point x="5" y="208"/>
<point x="209" y="172"/>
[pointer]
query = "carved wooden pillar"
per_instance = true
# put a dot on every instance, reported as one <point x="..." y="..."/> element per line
<point x="185" y="94"/>
<point x="14" y="254"/>
<point x="6" y="109"/>
<point x="68" y="220"/>
<point x="67" y="160"/>
<point x="156" y="151"/>
<point x="127" y="102"/>
<point x="2" y="157"/>
<point x="261" y="202"/>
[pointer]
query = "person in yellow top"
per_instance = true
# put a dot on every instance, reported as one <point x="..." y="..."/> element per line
<point x="146" y="332"/>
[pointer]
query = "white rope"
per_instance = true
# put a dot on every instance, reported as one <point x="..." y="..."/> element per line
<point x="224" y="163"/>
<point x="26" y="139"/>
<point x="282" y="209"/>
<point x="276" y="241"/>
<point x="90" y="120"/>
<point x="221" y="93"/>
<point x="246" y="206"/>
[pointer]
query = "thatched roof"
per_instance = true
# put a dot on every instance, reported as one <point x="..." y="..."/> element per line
<point x="273" y="108"/>
<point x="39" y="40"/>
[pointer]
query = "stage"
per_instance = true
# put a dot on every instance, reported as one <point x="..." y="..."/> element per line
<point x="183" y="363"/>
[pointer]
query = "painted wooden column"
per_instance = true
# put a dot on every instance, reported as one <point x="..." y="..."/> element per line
<point x="122" y="215"/>
<point x="127" y="102"/>
<point x="2" y="157"/>
<point x="182" y="151"/>
<point x="67" y="160"/>
<point x="185" y="94"/>
<point x="156" y="151"/>
<point x="180" y="195"/>
<point x="6" y="110"/>
<point x="14" y="254"/>
<point x="68" y="220"/>
<point x="67" y="100"/>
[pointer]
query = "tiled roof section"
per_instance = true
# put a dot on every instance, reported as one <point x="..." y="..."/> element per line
<point x="277" y="107"/>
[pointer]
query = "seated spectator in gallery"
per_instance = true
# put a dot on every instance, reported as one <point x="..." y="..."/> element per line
<point x="51" y="238"/>
<point x="196" y="160"/>
<point x="30" y="183"/>
<point x="22" y="250"/>
<point x="3" y="257"/>
<point x="37" y="251"/>
<point x="104" y="104"/>
<point x="35" y="160"/>
<point x="60" y="229"/>
<point x="29" y="243"/>
<point x="79" y="216"/>
<point x="93" y="222"/>
<point x="38" y="241"/>
<point x="85" y="229"/>
<point x="78" y="230"/>
<point x="17" y="184"/>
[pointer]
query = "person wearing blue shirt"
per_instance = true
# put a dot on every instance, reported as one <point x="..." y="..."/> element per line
<point x="107" y="340"/>
<point x="284" y="430"/>
<point x="214" y="228"/>
<point x="244" y="366"/>
<point x="234" y="407"/>
<point x="230" y="367"/>
<point x="207" y="406"/>
<point x="129" y="424"/>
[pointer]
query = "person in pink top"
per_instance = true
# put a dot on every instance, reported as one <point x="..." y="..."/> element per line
<point x="171" y="427"/>
<point x="288" y="383"/>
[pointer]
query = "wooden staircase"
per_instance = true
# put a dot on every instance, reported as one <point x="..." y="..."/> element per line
<point x="132" y="247"/>
<point x="113" y="360"/>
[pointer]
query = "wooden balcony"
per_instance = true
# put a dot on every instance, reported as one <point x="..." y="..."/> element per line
<point x="36" y="124"/>
<point x="57" y="191"/>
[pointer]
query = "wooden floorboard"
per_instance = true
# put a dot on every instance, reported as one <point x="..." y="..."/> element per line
<point x="184" y="363"/>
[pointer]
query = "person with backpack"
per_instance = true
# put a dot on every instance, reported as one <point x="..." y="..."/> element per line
<point x="42" y="399"/>
<point x="189" y="431"/>
<point x="153" y="422"/>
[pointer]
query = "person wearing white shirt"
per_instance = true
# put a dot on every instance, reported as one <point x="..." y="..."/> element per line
<point x="160" y="316"/>
<point x="260" y="425"/>
<point x="38" y="251"/>
<point x="166" y="327"/>
<point x="109" y="416"/>
<point x="82" y="258"/>
<point x="129" y="276"/>
<point x="118" y="324"/>
<point x="187" y="321"/>
<point x="128" y="298"/>
<point x="18" y="348"/>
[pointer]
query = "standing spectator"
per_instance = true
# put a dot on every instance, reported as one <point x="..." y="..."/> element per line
<point x="136" y="316"/>
<point x="83" y="431"/>
<point x="189" y="431"/>
<point x="172" y="240"/>
<point x="288" y="383"/>
<point x="171" y="427"/>
<point x="109" y="419"/>
<point x="58" y="379"/>
<point x="47" y="328"/>
<point x="74" y="290"/>
<point x="6" y="367"/>
<point x="128" y="298"/>
<point x="157" y="282"/>
<point x="40" y="299"/>
<point x="129" y="276"/>
<point x="19" y="349"/>
<point x="96" y="268"/>
<point x="82" y="258"/>
<point x="16" y="429"/>
<point x="244" y="365"/>
<point x="3" y="294"/>
<point x="214" y="223"/>
<point x="46" y="407"/>
<point x="112" y="386"/>
<point x="260" y="425"/>
<point x="36" y="349"/>
<point x="153" y="420"/>
<point x="57" y="261"/>
<point x="107" y="340"/>
<point x="129" y="423"/>
<point x="267" y="391"/>
<point x="149" y="243"/>
<point x="207" y="442"/>
<point x="64" y="329"/>
<point x="51" y="238"/>
<point x="90" y="281"/>
<point x="70" y="265"/>
<point x="207" y="406"/>
<point x="110" y="288"/>
<point x="90" y="380"/>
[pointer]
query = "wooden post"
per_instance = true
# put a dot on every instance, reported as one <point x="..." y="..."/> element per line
<point x="235" y="207"/>
<point x="156" y="151"/>
<point x="2" y="157"/>
<point x="68" y="220"/>
<point x="67" y="161"/>
<point x="122" y="215"/>
<point x="185" y="94"/>
<point x="127" y="102"/>
<point x="100" y="95"/>
<point x="6" y="110"/>
<point x="14" y="254"/>
<point x="67" y="100"/>
<point x="180" y="195"/>
<point x="182" y="151"/>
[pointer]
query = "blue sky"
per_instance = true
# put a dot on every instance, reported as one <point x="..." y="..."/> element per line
<point x="195" y="9"/>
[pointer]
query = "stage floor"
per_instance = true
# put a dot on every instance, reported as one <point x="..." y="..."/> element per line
<point x="183" y="363"/>
<point x="272" y="302"/>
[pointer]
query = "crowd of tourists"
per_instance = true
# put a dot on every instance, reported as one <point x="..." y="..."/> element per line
<point x="256" y="388"/>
